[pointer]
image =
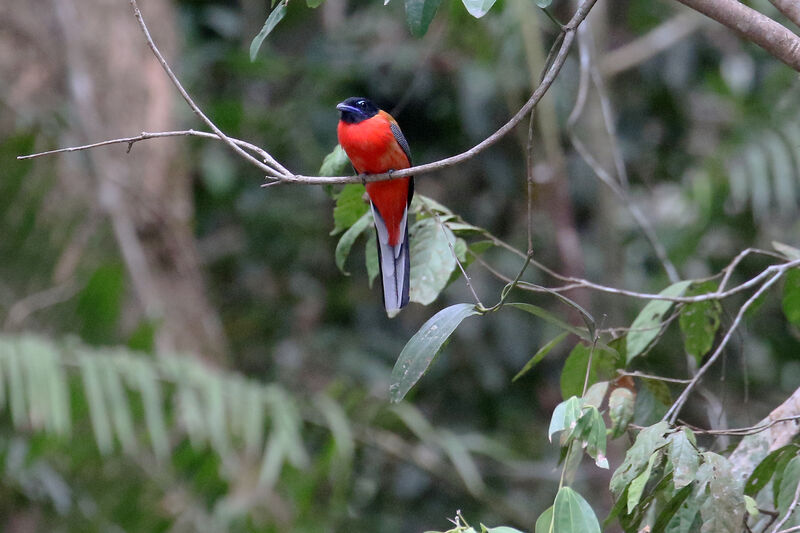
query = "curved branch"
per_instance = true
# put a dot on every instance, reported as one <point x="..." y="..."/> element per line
<point x="757" y="28"/>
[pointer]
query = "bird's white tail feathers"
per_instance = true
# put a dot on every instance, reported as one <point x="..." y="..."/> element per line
<point x="394" y="264"/>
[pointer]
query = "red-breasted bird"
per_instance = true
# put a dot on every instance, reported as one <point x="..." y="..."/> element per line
<point x="374" y="143"/>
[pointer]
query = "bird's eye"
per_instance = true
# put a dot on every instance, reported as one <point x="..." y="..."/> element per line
<point x="361" y="103"/>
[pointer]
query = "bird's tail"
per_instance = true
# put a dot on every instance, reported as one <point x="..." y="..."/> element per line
<point x="394" y="263"/>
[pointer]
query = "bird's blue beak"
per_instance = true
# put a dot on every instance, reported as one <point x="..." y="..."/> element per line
<point x="347" y="108"/>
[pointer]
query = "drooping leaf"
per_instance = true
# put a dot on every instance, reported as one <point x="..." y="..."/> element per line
<point x="699" y="321"/>
<point x="350" y="206"/>
<point x="791" y="297"/>
<point x="620" y="410"/>
<point x="544" y="3"/>
<point x="684" y="457"/>
<point x="552" y="319"/>
<point x="573" y="514"/>
<point x="648" y="323"/>
<point x="432" y="260"/>
<point x="98" y="412"/>
<point x="565" y="415"/>
<point x="648" y="441"/>
<point x="723" y="510"/>
<point x="478" y="8"/>
<point x="348" y="238"/>
<point x="272" y="20"/>
<point x="596" y="394"/>
<point x="766" y="469"/>
<point x="790" y="481"/>
<point x="419" y="14"/>
<point x="539" y="355"/>
<point x="672" y="507"/>
<point x="638" y="483"/>
<point x="421" y="349"/>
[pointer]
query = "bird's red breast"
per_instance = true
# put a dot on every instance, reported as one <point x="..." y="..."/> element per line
<point x="372" y="148"/>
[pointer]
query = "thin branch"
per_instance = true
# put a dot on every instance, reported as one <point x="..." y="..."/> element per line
<point x="757" y="28"/>
<point x="674" y="410"/>
<point x="275" y="171"/>
<point x="789" y="512"/>
<point x="270" y="166"/>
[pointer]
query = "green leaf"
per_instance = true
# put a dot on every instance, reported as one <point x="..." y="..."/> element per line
<point x="791" y="297"/>
<point x="565" y="415"/>
<point x="544" y="524"/>
<point x="596" y="394"/>
<point x="637" y="485"/>
<point x="336" y="163"/>
<point x="684" y="457"/>
<point x="544" y="3"/>
<point x="766" y="468"/>
<point x="538" y="356"/>
<point x="350" y="206"/>
<point x="348" y="238"/>
<point x="421" y="349"/>
<point x="699" y="321"/>
<point x="572" y="514"/>
<point x="419" y="14"/>
<point x="669" y="511"/>
<point x="751" y="506"/>
<point x="371" y="258"/>
<point x="573" y="374"/>
<point x="97" y="404"/>
<point x="620" y="410"/>
<point x="723" y="510"/>
<point x="648" y="323"/>
<point x="313" y="4"/>
<point x="272" y="20"/>
<point x="789" y="486"/>
<point x="478" y="8"/>
<point x="500" y="529"/>
<point x="648" y="441"/>
<point x="432" y="260"/>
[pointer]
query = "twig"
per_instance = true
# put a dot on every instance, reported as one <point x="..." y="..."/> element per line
<point x="674" y="410"/>
<point x="270" y="166"/>
<point x="38" y="301"/>
<point x="790" y="8"/>
<point x="276" y="171"/>
<point x="740" y="432"/>
<point x="651" y="376"/>
<point x="789" y="512"/>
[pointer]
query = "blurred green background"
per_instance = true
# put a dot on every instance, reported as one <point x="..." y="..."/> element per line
<point x="175" y="248"/>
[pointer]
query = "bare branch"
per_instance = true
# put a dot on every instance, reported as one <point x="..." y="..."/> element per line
<point x="790" y="8"/>
<point x="757" y="28"/>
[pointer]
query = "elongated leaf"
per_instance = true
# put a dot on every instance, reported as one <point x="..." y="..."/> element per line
<point x="552" y="319"/>
<point x="572" y="514"/>
<point x="670" y="509"/>
<point x="478" y="8"/>
<point x="350" y="206"/>
<point x="789" y="486"/>
<point x="272" y="20"/>
<point x="648" y="441"/>
<point x="346" y="241"/>
<point x="538" y="356"/>
<point x="499" y="529"/>
<point x="432" y="260"/>
<point x="371" y="258"/>
<point x="791" y="297"/>
<point x="419" y="14"/>
<point x="647" y="324"/>
<point x="766" y="468"/>
<point x="421" y="349"/>
<point x="684" y="457"/>
<point x="118" y="404"/>
<point x="463" y="462"/>
<point x="97" y="404"/>
<point x="699" y="321"/>
<point x="637" y="485"/>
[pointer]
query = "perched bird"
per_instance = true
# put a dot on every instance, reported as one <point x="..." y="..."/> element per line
<point x="374" y="143"/>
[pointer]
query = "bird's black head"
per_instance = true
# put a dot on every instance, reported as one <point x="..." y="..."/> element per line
<point x="355" y="109"/>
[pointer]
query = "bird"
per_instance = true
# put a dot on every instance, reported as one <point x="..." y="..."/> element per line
<point x="374" y="143"/>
